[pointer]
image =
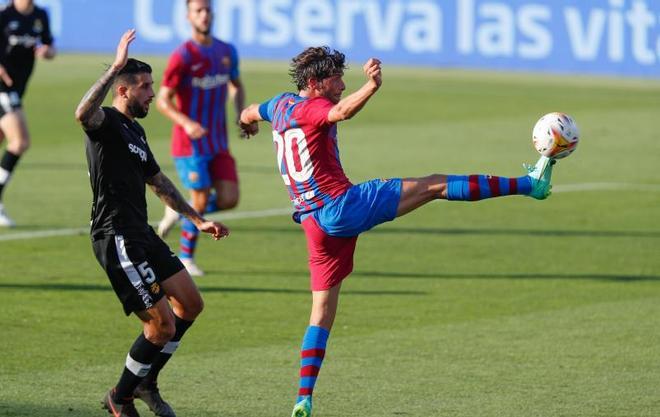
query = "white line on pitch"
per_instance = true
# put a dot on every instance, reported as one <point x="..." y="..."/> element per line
<point x="85" y="230"/>
<point x="238" y="215"/>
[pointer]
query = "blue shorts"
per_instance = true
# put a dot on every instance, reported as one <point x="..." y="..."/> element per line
<point x="200" y="172"/>
<point x="360" y="208"/>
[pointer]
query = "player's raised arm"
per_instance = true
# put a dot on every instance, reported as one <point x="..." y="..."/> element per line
<point x="89" y="113"/>
<point x="167" y="192"/>
<point x="249" y="120"/>
<point x="353" y="103"/>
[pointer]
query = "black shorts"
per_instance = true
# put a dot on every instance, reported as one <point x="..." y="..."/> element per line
<point x="136" y="265"/>
<point x="10" y="101"/>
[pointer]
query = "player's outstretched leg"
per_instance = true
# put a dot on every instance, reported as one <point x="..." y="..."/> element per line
<point x="535" y="184"/>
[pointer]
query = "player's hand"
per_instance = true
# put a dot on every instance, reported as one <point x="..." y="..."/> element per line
<point x="122" y="49"/>
<point x="373" y="71"/>
<point x="216" y="229"/>
<point x="194" y="130"/>
<point x="4" y="76"/>
<point x="248" y="129"/>
<point x="43" y="52"/>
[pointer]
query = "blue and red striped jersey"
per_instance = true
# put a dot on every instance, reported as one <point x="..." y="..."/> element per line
<point x="199" y="75"/>
<point x="306" y="146"/>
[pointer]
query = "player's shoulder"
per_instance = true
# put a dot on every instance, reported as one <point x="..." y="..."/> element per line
<point x="5" y="8"/>
<point x="39" y="12"/>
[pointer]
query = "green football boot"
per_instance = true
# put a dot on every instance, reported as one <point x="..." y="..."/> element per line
<point x="540" y="174"/>
<point x="303" y="408"/>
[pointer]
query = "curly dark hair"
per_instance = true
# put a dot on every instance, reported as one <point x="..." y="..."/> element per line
<point x="316" y="63"/>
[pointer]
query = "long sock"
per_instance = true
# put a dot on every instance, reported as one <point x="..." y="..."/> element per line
<point x="212" y="204"/>
<point x="7" y="165"/>
<point x="168" y="350"/>
<point x="138" y="364"/>
<point x="312" y="354"/>
<point x="188" y="241"/>
<point x="480" y="187"/>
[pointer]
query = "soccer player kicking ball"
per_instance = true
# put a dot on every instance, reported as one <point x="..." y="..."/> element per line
<point x="143" y="271"/>
<point x="332" y="211"/>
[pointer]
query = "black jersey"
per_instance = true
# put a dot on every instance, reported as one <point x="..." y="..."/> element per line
<point x="19" y="36"/>
<point x="119" y="162"/>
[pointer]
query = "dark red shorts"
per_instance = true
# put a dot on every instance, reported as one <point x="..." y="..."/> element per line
<point x="330" y="257"/>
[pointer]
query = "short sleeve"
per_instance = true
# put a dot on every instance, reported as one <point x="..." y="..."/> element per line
<point x="175" y="70"/>
<point x="46" y="35"/>
<point x="151" y="167"/>
<point x="267" y="108"/>
<point x="234" y="72"/>
<point x="101" y="133"/>
<point x="315" y="111"/>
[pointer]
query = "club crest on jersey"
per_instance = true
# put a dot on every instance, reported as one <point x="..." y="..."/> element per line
<point x="193" y="176"/>
<point x="38" y="26"/>
<point x="155" y="288"/>
<point x="226" y="61"/>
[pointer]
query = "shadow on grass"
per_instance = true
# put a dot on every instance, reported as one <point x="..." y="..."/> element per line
<point x="22" y="410"/>
<point x="70" y="166"/>
<point x="474" y="232"/>
<point x="203" y="289"/>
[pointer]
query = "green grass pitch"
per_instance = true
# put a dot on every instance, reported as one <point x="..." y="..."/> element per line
<point x="506" y="307"/>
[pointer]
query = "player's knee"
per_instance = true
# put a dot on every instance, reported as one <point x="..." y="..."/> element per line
<point x="194" y="308"/>
<point x="160" y="333"/>
<point x="19" y="146"/>
<point x="227" y="202"/>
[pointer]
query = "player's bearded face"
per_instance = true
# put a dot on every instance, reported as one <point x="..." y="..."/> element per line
<point x="140" y="96"/>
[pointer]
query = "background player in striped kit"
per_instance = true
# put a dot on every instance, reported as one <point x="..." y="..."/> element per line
<point x="332" y="211"/>
<point x="143" y="272"/>
<point x="24" y="35"/>
<point x="200" y="74"/>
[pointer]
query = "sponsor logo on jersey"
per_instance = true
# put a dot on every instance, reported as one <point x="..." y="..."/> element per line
<point x="139" y="151"/>
<point x="25" y="40"/>
<point x="197" y="66"/>
<point x="13" y="25"/>
<point x="210" y="81"/>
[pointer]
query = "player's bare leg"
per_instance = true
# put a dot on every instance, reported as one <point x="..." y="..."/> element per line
<point x="226" y="195"/>
<point x="14" y="127"/>
<point x="324" y="310"/>
<point x="158" y="326"/>
<point x="187" y="304"/>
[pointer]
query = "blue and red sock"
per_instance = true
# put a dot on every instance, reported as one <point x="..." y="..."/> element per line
<point x="312" y="354"/>
<point x="188" y="240"/>
<point x="480" y="187"/>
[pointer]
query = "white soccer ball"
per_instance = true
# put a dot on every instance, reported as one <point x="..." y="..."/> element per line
<point x="556" y="135"/>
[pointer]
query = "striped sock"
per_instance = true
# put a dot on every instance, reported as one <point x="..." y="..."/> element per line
<point x="312" y="354"/>
<point x="188" y="240"/>
<point x="480" y="187"/>
<point x="167" y="351"/>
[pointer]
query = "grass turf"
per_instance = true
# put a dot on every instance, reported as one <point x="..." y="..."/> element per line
<point x="507" y="307"/>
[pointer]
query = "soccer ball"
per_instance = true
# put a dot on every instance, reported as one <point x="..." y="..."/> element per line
<point x="556" y="135"/>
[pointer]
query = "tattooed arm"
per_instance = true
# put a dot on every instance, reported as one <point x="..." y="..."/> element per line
<point x="167" y="192"/>
<point x="89" y="113"/>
